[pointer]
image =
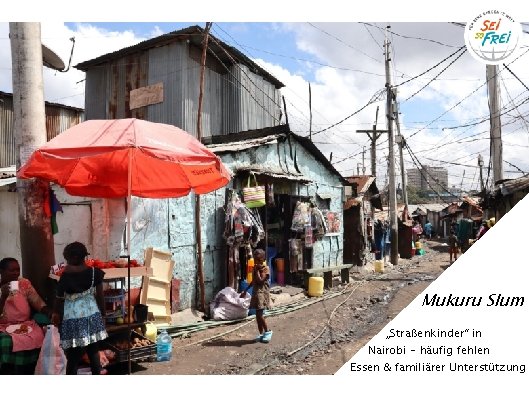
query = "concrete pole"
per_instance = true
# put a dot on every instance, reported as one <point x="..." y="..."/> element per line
<point x="392" y="191"/>
<point x="36" y="239"/>
<point x="495" y="122"/>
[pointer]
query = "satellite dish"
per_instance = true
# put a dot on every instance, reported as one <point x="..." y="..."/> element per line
<point x="51" y="60"/>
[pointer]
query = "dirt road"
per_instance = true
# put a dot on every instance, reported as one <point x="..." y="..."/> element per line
<point x="317" y="339"/>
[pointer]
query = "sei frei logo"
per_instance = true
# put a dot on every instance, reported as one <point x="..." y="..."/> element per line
<point x="493" y="37"/>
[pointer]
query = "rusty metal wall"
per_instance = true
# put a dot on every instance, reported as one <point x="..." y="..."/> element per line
<point x="235" y="100"/>
<point x="7" y="137"/>
<point x="58" y="119"/>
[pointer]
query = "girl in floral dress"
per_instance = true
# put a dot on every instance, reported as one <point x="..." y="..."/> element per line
<point x="80" y="304"/>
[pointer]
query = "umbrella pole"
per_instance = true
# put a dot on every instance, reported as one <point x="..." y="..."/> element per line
<point x="129" y="190"/>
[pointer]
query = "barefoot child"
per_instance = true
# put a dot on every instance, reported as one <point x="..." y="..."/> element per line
<point x="261" y="294"/>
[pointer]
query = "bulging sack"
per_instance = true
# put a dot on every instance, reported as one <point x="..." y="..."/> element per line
<point x="52" y="360"/>
<point x="228" y="305"/>
<point x="254" y="196"/>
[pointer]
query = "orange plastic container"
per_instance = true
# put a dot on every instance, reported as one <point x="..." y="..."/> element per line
<point x="249" y="270"/>
<point x="280" y="265"/>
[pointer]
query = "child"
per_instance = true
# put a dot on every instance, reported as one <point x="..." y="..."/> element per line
<point x="452" y="242"/>
<point x="261" y="294"/>
<point x="79" y="306"/>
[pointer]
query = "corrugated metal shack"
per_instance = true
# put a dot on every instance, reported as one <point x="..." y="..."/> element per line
<point x="294" y="170"/>
<point x="158" y="80"/>
<point x="297" y="170"/>
<point x="506" y="194"/>
<point x="358" y="208"/>
<point x="58" y="118"/>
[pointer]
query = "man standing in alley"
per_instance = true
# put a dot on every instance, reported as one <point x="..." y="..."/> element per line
<point x="428" y="230"/>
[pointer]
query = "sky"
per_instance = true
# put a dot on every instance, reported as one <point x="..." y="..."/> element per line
<point x="443" y="112"/>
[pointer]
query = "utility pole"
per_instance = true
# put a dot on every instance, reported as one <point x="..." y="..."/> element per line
<point x="392" y="191"/>
<point x="480" y="164"/>
<point x="373" y="135"/>
<point x="401" y="142"/>
<point x="198" y="229"/>
<point x="36" y="239"/>
<point x="495" y="122"/>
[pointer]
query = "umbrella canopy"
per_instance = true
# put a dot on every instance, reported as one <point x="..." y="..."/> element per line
<point x="93" y="159"/>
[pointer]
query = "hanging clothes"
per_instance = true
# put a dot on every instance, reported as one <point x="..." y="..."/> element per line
<point x="296" y="255"/>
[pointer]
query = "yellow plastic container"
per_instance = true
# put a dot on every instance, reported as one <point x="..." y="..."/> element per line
<point x="151" y="332"/>
<point x="379" y="266"/>
<point x="316" y="286"/>
<point x="418" y="245"/>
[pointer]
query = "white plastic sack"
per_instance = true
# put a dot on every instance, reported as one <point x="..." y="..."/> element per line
<point x="228" y="305"/>
<point x="52" y="360"/>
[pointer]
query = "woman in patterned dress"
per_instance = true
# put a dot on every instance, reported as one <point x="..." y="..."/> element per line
<point x="19" y="350"/>
<point x="79" y="306"/>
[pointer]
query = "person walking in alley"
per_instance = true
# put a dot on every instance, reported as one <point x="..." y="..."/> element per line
<point x="261" y="294"/>
<point x="452" y="245"/>
<point x="428" y="228"/>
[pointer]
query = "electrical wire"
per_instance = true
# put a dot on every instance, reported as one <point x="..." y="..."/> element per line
<point x="410" y="37"/>
<point x="435" y="77"/>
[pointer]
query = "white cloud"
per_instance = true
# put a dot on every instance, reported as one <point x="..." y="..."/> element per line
<point x="356" y="72"/>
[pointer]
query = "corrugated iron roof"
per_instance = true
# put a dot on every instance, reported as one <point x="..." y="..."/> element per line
<point x="363" y="182"/>
<point x="275" y="173"/>
<point x="243" y="145"/>
<point x="59" y="105"/>
<point x="195" y="35"/>
<point x="513" y="185"/>
<point x="280" y="132"/>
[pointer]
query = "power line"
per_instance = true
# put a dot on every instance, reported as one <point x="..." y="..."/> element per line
<point x="375" y="98"/>
<point x="431" y="68"/>
<point x="343" y="42"/>
<point x="411" y="37"/>
<point x="437" y="75"/>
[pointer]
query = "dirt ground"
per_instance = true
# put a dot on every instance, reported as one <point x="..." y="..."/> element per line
<point x="317" y="339"/>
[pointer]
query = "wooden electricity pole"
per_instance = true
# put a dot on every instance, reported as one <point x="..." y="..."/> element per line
<point x="198" y="229"/>
<point x="36" y="239"/>
<point x="373" y="135"/>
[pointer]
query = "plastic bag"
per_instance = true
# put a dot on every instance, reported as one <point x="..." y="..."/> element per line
<point x="52" y="360"/>
<point x="228" y="305"/>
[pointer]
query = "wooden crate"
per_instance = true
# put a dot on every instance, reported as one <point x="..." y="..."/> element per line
<point x="156" y="288"/>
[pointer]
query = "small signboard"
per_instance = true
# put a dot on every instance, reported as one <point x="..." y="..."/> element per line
<point x="145" y="96"/>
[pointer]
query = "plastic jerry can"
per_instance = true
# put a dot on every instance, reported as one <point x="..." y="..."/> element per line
<point x="164" y="346"/>
<point x="315" y="286"/>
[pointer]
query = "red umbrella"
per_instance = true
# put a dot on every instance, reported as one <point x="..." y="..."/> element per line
<point x="124" y="158"/>
<point x="97" y="157"/>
